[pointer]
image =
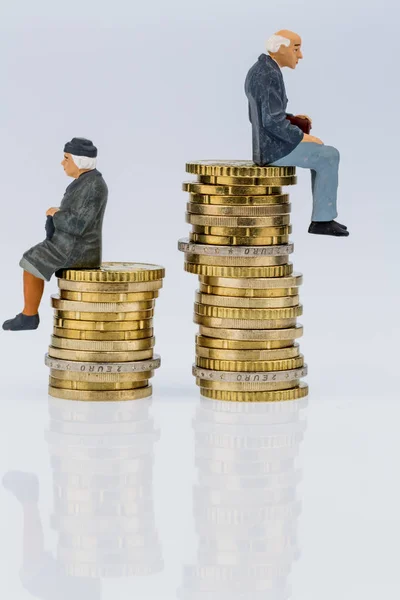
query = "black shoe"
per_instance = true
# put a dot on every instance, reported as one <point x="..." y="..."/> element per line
<point x="327" y="228"/>
<point x="24" y="486"/>
<point x="22" y="322"/>
<point x="340" y="225"/>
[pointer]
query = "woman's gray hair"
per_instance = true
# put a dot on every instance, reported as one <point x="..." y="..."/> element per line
<point x="276" y="41"/>
<point x="84" y="162"/>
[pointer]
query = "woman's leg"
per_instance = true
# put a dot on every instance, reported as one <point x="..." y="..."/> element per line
<point x="29" y="317"/>
<point x="33" y="292"/>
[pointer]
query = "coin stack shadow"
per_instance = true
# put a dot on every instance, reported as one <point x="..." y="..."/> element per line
<point x="102" y="457"/>
<point x="103" y="339"/>
<point x="245" y="504"/>
<point x="248" y="303"/>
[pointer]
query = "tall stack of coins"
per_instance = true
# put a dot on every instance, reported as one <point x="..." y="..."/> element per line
<point x="248" y="301"/>
<point x="103" y="340"/>
<point x="246" y="507"/>
<point x="102" y="457"/>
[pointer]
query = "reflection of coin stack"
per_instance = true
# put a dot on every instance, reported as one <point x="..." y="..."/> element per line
<point x="102" y="458"/>
<point x="245" y="504"/>
<point x="102" y="347"/>
<point x="248" y="303"/>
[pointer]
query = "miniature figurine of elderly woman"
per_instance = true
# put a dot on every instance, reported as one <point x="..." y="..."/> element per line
<point x="278" y="142"/>
<point x="74" y="231"/>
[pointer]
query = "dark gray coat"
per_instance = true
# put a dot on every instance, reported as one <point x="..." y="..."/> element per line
<point x="273" y="135"/>
<point x="77" y="238"/>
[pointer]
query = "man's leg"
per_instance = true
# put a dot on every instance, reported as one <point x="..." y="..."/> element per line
<point x="313" y="176"/>
<point x="29" y="318"/>
<point x="324" y="164"/>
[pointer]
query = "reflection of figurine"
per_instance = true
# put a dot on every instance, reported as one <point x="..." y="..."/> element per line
<point x="102" y="459"/>
<point x="74" y="231"/>
<point x="41" y="574"/>
<point x="277" y="142"/>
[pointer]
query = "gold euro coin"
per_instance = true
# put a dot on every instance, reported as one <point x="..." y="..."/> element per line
<point x="222" y="312"/>
<point x="265" y="183"/>
<point x="86" y="356"/>
<point x="222" y="377"/>
<point x="253" y="232"/>
<point x="248" y="292"/>
<point x="233" y="251"/>
<point x="75" y="334"/>
<point x="116" y="395"/>
<point x="237" y="210"/>
<point x="290" y="333"/>
<point x="102" y="346"/>
<point x="237" y="190"/>
<point x="245" y="356"/>
<point x="293" y="280"/>
<point x="258" y="181"/>
<point x="103" y="325"/>
<point x="249" y="324"/>
<point x="104" y="316"/>
<point x="278" y="396"/>
<point x="239" y="345"/>
<point x="103" y="367"/>
<point x="250" y="303"/>
<point x="236" y="261"/>
<point x="99" y="386"/>
<point x="109" y="297"/>
<point x="274" y="198"/>
<point x="238" y="366"/>
<point x="99" y="377"/>
<point x="111" y="272"/>
<point x="98" y="307"/>
<point x="213" y="221"/>
<point x="242" y="272"/>
<point x="246" y="386"/>
<point x="114" y="288"/>
<point x="235" y="240"/>
<point x="236" y="168"/>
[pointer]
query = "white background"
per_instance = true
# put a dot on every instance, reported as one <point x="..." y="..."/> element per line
<point x="155" y="85"/>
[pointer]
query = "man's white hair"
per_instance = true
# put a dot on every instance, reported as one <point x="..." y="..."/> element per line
<point x="276" y="41"/>
<point x="84" y="162"/>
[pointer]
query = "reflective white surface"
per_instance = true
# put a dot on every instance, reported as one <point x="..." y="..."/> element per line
<point x="156" y="84"/>
<point x="183" y="497"/>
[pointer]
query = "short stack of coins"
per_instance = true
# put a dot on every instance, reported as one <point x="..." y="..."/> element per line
<point x="248" y="302"/>
<point x="246" y="504"/>
<point x="102" y="458"/>
<point x="102" y="347"/>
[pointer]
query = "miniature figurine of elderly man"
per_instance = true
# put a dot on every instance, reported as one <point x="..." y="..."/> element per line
<point x="277" y="142"/>
<point x="74" y="231"/>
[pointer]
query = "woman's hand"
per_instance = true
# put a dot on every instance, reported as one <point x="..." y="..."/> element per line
<point x="52" y="211"/>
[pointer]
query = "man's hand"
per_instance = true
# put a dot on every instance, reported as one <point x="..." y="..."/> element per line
<point x="51" y="211"/>
<point x="311" y="138"/>
<point x="304" y="117"/>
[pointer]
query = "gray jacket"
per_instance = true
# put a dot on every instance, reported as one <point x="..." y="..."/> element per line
<point x="273" y="135"/>
<point x="77" y="238"/>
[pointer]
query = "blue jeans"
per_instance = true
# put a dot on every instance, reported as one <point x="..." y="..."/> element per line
<point x="324" y="164"/>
